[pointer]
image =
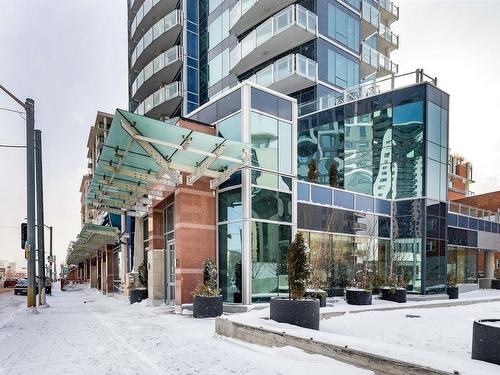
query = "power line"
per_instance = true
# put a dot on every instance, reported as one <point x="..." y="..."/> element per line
<point x="12" y="110"/>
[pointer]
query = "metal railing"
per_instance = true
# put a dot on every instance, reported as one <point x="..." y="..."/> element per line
<point x="366" y="89"/>
<point x="386" y="33"/>
<point x="390" y="7"/>
<point x="162" y="95"/>
<point x="475" y="212"/>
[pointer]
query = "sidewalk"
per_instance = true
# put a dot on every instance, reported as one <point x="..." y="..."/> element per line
<point x="84" y="332"/>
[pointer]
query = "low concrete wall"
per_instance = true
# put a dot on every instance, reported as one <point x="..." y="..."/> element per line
<point x="379" y="364"/>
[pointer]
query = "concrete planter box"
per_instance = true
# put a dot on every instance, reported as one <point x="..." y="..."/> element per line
<point x="394" y="295"/>
<point x="207" y="307"/>
<point x="302" y="312"/>
<point x="137" y="295"/>
<point x="452" y="292"/>
<point x="484" y="283"/>
<point x="358" y="297"/>
<point x="485" y="340"/>
<point x="495" y="284"/>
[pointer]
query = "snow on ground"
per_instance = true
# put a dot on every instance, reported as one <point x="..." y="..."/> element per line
<point x="83" y="332"/>
<point x="440" y="338"/>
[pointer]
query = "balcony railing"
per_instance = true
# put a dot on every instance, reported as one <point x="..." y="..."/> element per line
<point x="370" y="14"/>
<point x="377" y="60"/>
<point x="463" y="209"/>
<point x="390" y="7"/>
<point x="386" y="33"/>
<point x="160" y="62"/>
<point x="364" y="90"/>
<point x="161" y="96"/>
<point x="143" y="10"/>
<point x="162" y="26"/>
<point x="293" y="15"/>
<point x="286" y="67"/>
<point x="239" y="9"/>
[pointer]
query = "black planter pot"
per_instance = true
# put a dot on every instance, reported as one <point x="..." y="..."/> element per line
<point x="301" y="312"/>
<point x="394" y="295"/>
<point x="207" y="307"/>
<point x="452" y="292"/>
<point x="485" y="343"/>
<point x="137" y="295"/>
<point x="358" y="297"/>
<point x="375" y="291"/>
<point x="48" y="289"/>
<point x="321" y="297"/>
<point x="495" y="284"/>
<point x="337" y="291"/>
<point x="237" y="297"/>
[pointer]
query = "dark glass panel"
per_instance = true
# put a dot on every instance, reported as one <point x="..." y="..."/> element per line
<point x="230" y="205"/>
<point x="230" y="243"/>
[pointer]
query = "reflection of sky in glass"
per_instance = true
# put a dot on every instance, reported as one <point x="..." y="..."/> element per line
<point x="412" y="112"/>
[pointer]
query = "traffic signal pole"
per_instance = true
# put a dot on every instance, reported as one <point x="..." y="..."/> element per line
<point x="39" y="218"/>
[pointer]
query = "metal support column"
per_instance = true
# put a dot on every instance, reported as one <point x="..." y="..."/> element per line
<point x="30" y="203"/>
<point x="51" y="260"/>
<point x="39" y="218"/>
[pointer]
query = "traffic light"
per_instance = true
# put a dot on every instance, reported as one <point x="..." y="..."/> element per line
<point x="24" y="235"/>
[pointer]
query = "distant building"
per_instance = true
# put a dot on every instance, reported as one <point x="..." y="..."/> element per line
<point x="459" y="177"/>
<point x="7" y="268"/>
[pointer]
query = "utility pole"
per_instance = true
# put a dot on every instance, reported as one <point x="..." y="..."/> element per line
<point x="29" y="107"/>
<point x="39" y="218"/>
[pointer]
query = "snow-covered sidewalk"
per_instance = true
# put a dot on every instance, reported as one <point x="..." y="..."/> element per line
<point x="84" y="332"/>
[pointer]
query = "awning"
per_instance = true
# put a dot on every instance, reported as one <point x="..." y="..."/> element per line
<point x="142" y="158"/>
<point x="90" y="239"/>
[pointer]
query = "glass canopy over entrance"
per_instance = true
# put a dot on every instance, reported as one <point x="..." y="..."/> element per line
<point x="91" y="237"/>
<point x="142" y="158"/>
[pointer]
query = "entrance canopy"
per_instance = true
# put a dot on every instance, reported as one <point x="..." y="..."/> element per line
<point x="91" y="237"/>
<point x="142" y="158"/>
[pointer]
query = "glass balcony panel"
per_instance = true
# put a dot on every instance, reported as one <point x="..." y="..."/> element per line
<point x="302" y="17"/>
<point x="265" y="76"/>
<point x="159" y="97"/>
<point x="311" y="21"/>
<point x="170" y="20"/>
<point x="312" y="69"/>
<point x="283" y="20"/>
<point x="148" y="104"/>
<point x="264" y="32"/>
<point x="148" y="71"/>
<point x="283" y="68"/>
<point x="159" y="62"/>
<point x="246" y="4"/>
<point x="248" y="44"/>
<point x="302" y="66"/>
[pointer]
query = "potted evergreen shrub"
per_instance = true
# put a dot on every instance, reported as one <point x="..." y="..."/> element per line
<point x="237" y="280"/>
<point x="296" y="309"/>
<point x="359" y="292"/>
<point x="207" y="300"/>
<point x="140" y="292"/>
<point x="452" y="287"/>
<point x="395" y="291"/>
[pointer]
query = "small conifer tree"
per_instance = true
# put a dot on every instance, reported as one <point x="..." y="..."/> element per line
<point x="312" y="174"/>
<point x="333" y="175"/>
<point x="143" y="273"/>
<point x="299" y="267"/>
<point x="209" y="286"/>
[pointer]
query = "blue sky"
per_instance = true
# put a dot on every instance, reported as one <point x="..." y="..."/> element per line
<point x="70" y="56"/>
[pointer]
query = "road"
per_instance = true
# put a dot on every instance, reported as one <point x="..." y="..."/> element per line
<point x="83" y="332"/>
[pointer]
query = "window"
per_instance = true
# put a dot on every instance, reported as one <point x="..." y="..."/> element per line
<point x="303" y="191"/>
<point x="321" y="195"/>
<point x="218" y="30"/>
<point x="336" y="66"/>
<point x="337" y="22"/>
<point x="344" y="199"/>
<point x="264" y="141"/>
<point x="230" y="205"/>
<point x="218" y="67"/>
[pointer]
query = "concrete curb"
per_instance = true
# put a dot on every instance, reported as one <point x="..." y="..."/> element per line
<point x="405" y="306"/>
<point x="379" y="364"/>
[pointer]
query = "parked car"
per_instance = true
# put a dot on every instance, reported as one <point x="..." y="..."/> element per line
<point x="10" y="282"/>
<point x="22" y="287"/>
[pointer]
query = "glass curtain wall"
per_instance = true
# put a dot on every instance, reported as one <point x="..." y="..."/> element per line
<point x="271" y="193"/>
<point x="436" y="244"/>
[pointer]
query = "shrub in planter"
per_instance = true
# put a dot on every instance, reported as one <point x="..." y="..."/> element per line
<point x="395" y="291"/>
<point x="318" y="294"/>
<point x="337" y="291"/>
<point x="237" y="276"/>
<point x="139" y="293"/>
<point x="297" y="310"/>
<point x="495" y="284"/>
<point x="207" y="300"/>
<point x="359" y="292"/>
<point x="452" y="287"/>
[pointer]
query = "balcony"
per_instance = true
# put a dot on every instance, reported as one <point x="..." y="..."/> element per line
<point x="370" y="20"/>
<point x="289" y="74"/>
<point x="389" y="12"/>
<point x="163" y="35"/>
<point x="287" y="29"/>
<point x="162" y="70"/>
<point x="247" y="13"/>
<point x="373" y="61"/>
<point x="386" y="39"/>
<point x="148" y="14"/>
<point x="163" y="102"/>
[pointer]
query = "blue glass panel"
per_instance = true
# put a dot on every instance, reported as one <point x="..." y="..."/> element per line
<point x="192" y="45"/>
<point x="494" y="227"/>
<point x="452" y="219"/>
<point x="364" y="203"/>
<point x="472" y="223"/>
<point x="192" y="80"/>
<point x="344" y="199"/>
<point x="480" y="224"/>
<point x="383" y="207"/>
<point x="303" y="191"/>
<point x="487" y="226"/>
<point x="463" y="221"/>
<point x="321" y="195"/>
